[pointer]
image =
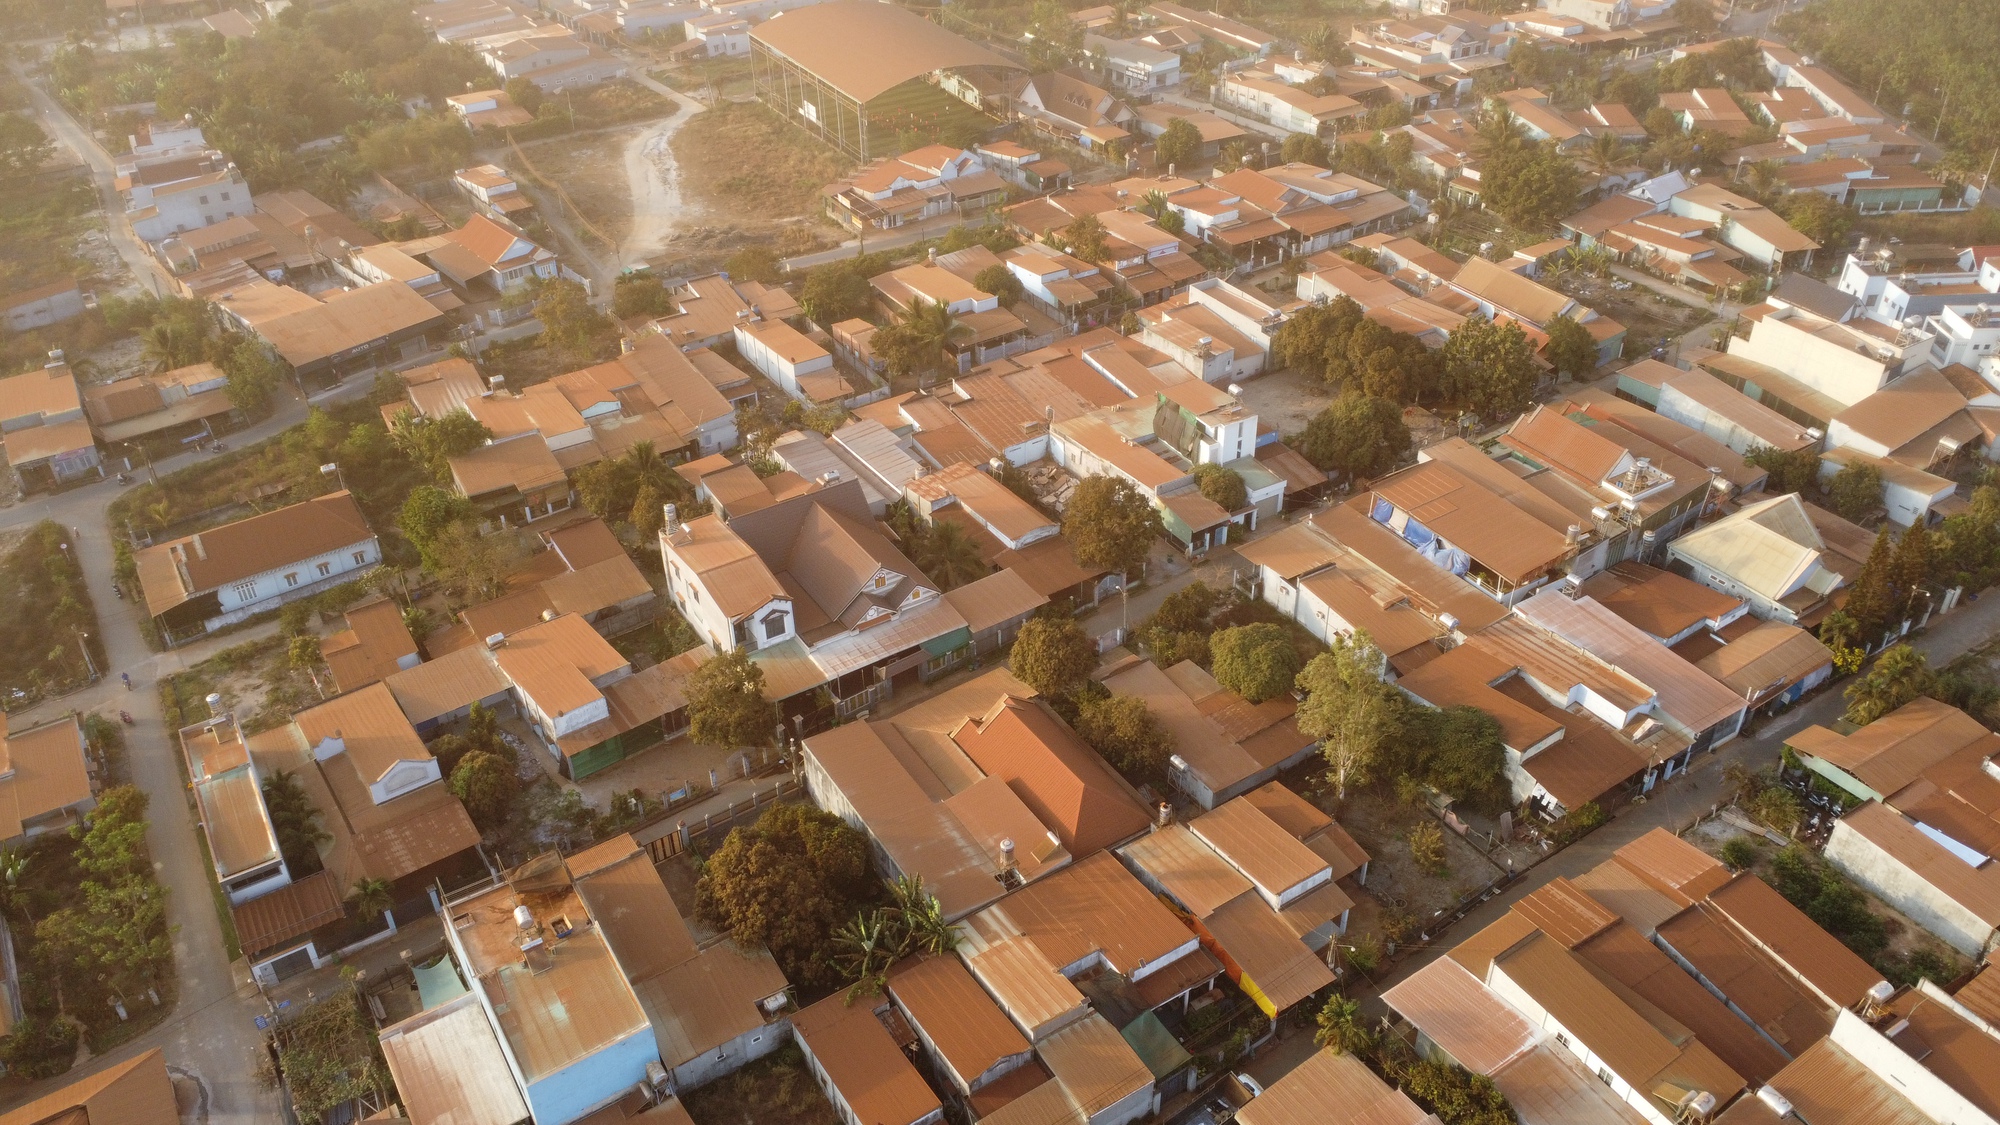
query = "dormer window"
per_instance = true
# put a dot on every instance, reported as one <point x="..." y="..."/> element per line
<point x="774" y="625"/>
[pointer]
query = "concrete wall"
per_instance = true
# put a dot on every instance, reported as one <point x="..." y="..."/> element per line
<point x="1889" y="879"/>
<point x="731" y="1056"/>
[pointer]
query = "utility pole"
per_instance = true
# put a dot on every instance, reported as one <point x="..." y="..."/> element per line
<point x="83" y="647"/>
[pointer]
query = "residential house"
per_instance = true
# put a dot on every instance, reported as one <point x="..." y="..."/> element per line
<point x="382" y="801"/>
<point x="1760" y="233"/>
<point x="859" y="1065"/>
<point x="1214" y="27"/>
<point x="1024" y="167"/>
<point x="1066" y="287"/>
<point x="1074" y="110"/>
<point x="43" y="431"/>
<point x="1225" y="745"/>
<point x="376" y="644"/>
<point x="966" y="832"/>
<point x="137" y="1091"/>
<point x="1132" y="65"/>
<point x="494" y="190"/>
<point x="488" y="108"/>
<point x="985" y="331"/>
<point x="41" y="306"/>
<point x="815" y="593"/>
<point x="1155" y="117"/>
<point x="789" y="358"/>
<point x="560" y="1009"/>
<point x="1707" y="108"/>
<point x="719" y="35"/>
<point x="922" y="184"/>
<point x="1781" y="555"/>
<point x="963" y="1032"/>
<point x="1260" y="93"/>
<point x="49" y="783"/>
<point x="1263" y="899"/>
<point x="1338" y="572"/>
<point x="707" y="308"/>
<point x="506" y="258"/>
<point x="1699" y="400"/>
<point x="172" y="197"/>
<point x="1502" y="293"/>
<point x="584" y="570"/>
<point x="349" y="332"/>
<point x="1329" y="1078"/>
<point x="554" y="58"/>
<point x="1730" y="983"/>
<point x="199" y="583"/>
<point x="1060" y="953"/>
<point x="184" y="402"/>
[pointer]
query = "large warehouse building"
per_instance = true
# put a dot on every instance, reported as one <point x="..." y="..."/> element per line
<point x="859" y="74"/>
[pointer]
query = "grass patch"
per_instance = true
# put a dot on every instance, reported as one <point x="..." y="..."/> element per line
<point x="774" y="1090"/>
<point x="39" y="227"/>
<point x="45" y="607"/>
<point x="748" y="163"/>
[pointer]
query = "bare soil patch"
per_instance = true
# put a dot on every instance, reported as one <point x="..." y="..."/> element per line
<point x="1382" y="825"/>
<point x="744" y="164"/>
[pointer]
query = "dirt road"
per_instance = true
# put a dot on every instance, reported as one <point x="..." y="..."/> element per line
<point x="658" y="208"/>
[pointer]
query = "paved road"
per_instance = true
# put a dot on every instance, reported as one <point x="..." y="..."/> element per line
<point x="1679" y="802"/>
<point x="103" y="175"/>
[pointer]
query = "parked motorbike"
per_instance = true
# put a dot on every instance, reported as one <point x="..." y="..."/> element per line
<point x="125" y="717"/>
<point x="119" y="592"/>
<point x="121" y="478"/>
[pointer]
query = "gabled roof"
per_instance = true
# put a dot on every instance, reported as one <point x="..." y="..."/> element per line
<point x="864" y="49"/>
<point x="1892" y="751"/>
<point x="1531" y="301"/>
<point x="1769" y="547"/>
<point x="1682" y="691"/>
<point x="137" y="1091"/>
<point x="214" y="558"/>
<point x="1065" y="782"/>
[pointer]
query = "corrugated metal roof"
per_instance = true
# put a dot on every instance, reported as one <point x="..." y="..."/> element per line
<point x="1828" y="1086"/>
<point x="1895" y="749"/>
<point x="1325" y="1080"/>
<point x="959" y="1019"/>
<point x="1547" y="1086"/>
<point x="1462" y="1016"/>
<point x="448" y="1067"/>
<point x="1624" y="955"/>
<point x="1685" y="693"/>
<point x="1674" y="867"/>
<point x="1095" y="1065"/>
<point x="994" y="600"/>
<point x="1257" y="846"/>
<point x="1790" y="938"/>
<point x="1189" y="870"/>
<point x="858" y="1059"/>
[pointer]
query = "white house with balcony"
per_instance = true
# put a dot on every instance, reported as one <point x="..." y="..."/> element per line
<point x="202" y="582"/>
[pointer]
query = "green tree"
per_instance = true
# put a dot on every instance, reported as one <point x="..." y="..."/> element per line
<point x="835" y="292"/>
<point x="1466" y="758"/>
<point x="472" y="566"/>
<point x="1489" y="368"/>
<point x="1179" y="146"/>
<point x="1570" y="348"/>
<point x="295" y="822"/>
<point x="1054" y="39"/>
<point x="1910" y="570"/>
<point x="303" y="652"/>
<point x="569" y="321"/>
<point x="525" y="93"/>
<point x="1000" y="281"/>
<point x="1871" y="600"/>
<point x="919" y="341"/>
<point x="1340" y="1027"/>
<point x="1819" y="217"/>
<point x="24" y="148"/>
<point x="1355" y="715"/>
<point x="1083" y="237"/>
<point x="1304" y="148"/>
<point x="1223" y="485"/>
<point x="787" y="883"/>
<point x="1255" y="661"/>
<point x="1358" y="435"/>
<point x="1828" y="898"/>
<point x="755" y="262"/>
<point x="431" y="443"/>
<point x="1788" y="472"/>
<point x="486" y="783"/>
<point x="1967" y="545"/>
<point x="427" y="512"/>
<point x="1529" y="187"/>
<point x="1121" y="728"/>
<point x="726" y="704"/>
<point x="1110" y="524"/>
<point x="430" y="144"/>
<point x="1740" y="853"/>
<point x="1179" y="629"/>
<point x="639" y="294"/>
<point x="1456" y="1095"/>
<point x="372" y="897"/>
<point x="1900" y="675"/>
<point x="1053" y="656"/>
<point x="949" y="557"/>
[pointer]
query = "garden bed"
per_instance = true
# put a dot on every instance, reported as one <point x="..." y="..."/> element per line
<point x="46" y="605"/>
<point x="775" y="1090"/>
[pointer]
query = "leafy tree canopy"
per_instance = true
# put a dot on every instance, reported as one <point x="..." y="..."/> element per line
<point x="726" y="704"/>
<point x="1255" y="661"/>
<point x="1053" y="656"/>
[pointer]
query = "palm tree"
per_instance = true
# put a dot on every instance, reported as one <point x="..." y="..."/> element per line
<point x="1766" y="178"/>
<point x="925" y="928"/>
<point x="373" y="896"/>
<point x="1606" y="152"/>
<point x="163" y="347"/>
<point x="950" y="556"/>
<point x="1498" y="132"/>
<point x="1155" y="203"/>
<point x="931" y="325"/>
<point x="1341" y="1029"/>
